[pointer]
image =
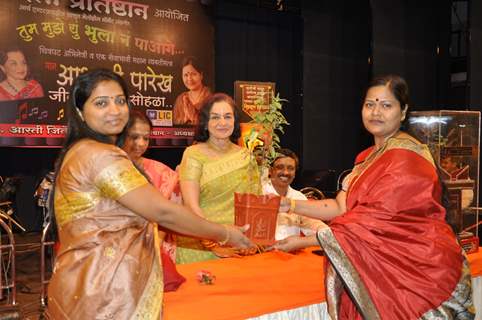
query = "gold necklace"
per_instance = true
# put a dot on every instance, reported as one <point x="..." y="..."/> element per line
<point x="11" y="86"/>
<point x="194" y="100"/>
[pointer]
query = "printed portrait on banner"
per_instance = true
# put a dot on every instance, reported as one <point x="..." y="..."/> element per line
<point x="164" y="50"/>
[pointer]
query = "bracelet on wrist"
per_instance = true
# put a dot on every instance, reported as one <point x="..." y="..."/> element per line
<point x="292" y="206"/>
<point x="226" y="239"/>
<point x="208" y="244"/>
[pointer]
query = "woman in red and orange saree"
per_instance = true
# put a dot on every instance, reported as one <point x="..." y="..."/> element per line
<point x="15" y="81"/>
<point x="390" y="253"/>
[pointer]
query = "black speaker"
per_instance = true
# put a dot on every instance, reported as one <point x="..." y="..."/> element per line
<point x="26" y="211"/>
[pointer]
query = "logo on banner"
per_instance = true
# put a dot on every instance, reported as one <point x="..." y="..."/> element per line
<point x="160" y="118"/>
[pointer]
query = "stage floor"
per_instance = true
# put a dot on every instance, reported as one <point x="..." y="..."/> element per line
<point x="27" y="275"/>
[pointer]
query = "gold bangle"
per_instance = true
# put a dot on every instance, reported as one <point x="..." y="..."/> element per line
<point x="292" y="206"/>
<point x="208" y="244"/>
<point x="226" y="239"/>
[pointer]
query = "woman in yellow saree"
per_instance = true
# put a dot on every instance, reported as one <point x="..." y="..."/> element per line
<point x="108" y="264"/>
<point x="212" y="171"/>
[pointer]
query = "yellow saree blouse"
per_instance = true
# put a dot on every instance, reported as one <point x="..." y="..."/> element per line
<point x="218" y="180"/>
<point x="108" y="265"/>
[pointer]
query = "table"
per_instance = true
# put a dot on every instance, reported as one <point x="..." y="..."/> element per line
<point x="273" y="285"/>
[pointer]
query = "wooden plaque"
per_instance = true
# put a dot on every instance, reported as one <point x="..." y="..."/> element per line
<point x="260" y="212"/>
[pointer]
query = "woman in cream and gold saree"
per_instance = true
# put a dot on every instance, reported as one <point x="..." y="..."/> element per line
<point x="390" y="252"/>
<point x="211" y="172"/>
<point x="108" y="265"/>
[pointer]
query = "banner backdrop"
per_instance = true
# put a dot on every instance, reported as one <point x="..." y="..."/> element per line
<point x="46" y="44"/>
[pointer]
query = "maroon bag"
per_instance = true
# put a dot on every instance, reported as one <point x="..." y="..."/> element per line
<point x="260" y="212"/>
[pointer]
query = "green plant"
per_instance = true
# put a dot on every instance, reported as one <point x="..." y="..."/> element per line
<point x="269" y="123"/>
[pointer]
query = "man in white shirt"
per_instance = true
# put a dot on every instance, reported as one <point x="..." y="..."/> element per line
<point x="281" y="175"/>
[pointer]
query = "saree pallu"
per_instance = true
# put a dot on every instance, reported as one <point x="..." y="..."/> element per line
<point x="162" y="177"/>
<point x="108" y="266"/>
<point x="392" y="255"/>
<point x="166" y="181"/>
<point x="218" y="180"/>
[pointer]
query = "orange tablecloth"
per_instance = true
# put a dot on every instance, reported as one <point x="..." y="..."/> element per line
<point x="475" y="260"/>
<point x="256" y="285"/>
<point x="247" y="287"/>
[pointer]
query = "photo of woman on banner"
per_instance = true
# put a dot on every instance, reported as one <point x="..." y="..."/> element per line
<point x="15" y="78"/>
<point x="187" y="105"/>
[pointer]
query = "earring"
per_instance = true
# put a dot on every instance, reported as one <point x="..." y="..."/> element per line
<point x="404" y="112"/>
<point x="80" y="114"/>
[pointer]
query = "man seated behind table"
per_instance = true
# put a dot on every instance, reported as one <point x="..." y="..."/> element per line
<point x="281" y="175"/>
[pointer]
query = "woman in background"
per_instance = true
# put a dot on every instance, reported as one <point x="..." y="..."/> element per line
<point x="187" y="105"/>
<point x="136" y="143"/>
<point x="15" y="81"/>
<point x="138" y="131"/>
<point x="391" y="253"/>
<point x="211" y="172"/>
<point x="106" y="212"/>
